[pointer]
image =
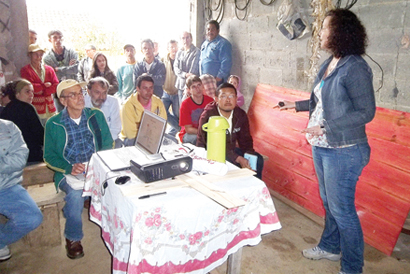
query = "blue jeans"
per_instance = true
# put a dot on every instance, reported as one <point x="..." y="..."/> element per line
<point x="189" y="138"/>
<point x="338" y="170"/>
<point x="173" y="119"/>
<point x="22" y="213"/>
<point x="73" y="209"/>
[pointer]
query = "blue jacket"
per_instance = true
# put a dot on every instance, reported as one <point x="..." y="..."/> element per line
<point x="216" y="58"/>
<point x="347" y="98"/>
<point x="157" y="72"/>
<point x="13" y="155"/>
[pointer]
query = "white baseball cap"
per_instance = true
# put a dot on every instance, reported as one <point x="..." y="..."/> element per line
<point x="68" y="84"/>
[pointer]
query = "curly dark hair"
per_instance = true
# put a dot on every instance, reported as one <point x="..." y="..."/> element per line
<point x="348" y="35"/>
<point x="95" y="72"/>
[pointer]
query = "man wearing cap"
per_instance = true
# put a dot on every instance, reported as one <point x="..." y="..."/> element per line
<point x="71" y="137"/>
<point x="84" y="66"/>
<point x="97" y="97"/>
<point x="132" y="110"/>
<point x="152" y="66"/>
<point x="125" y="74"/>
<point x="63" y="60"/>
<point x="44" y="82"/>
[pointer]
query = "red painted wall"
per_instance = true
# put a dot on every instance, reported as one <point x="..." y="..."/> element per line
<point x="383" y="190"/>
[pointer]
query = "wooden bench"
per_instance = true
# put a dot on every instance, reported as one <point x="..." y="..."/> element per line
<point x="38" y="180"/>
<point x="383" y="191"/>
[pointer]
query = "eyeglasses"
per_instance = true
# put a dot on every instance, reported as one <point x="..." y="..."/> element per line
<point x="223" y="97"/>
<point x="74" y="95"/>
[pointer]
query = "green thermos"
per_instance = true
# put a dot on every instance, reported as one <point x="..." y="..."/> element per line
<point x="216" y="138"/>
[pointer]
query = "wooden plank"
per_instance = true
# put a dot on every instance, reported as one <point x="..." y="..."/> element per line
<point x="382" y="152"/>
<point x="200" y="183"/>
<point x="380" y="203"/>
<point x="288" y="160"/>
<point x="37" y="174"/>
<point x="390" y="125"/>
<point x="204" y="186"/>
<point x="45" y="194"/>
<point x="234" y="263"/>
<point x="395" y="182"/>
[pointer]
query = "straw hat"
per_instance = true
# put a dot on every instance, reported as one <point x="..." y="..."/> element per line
<point x="34" y="48"/>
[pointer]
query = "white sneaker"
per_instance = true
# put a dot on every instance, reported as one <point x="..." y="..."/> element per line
<point x="5" y="253"/>
<point x="316" y="253"/>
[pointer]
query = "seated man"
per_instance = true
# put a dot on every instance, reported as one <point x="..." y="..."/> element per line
<point x="225" y="106"/>
<point x="191" y="109"/>
<point x="71" y="137"/>
<point x="16" y="204"/>
<point x="98" y="98"/>
<point x="132" y="110"/>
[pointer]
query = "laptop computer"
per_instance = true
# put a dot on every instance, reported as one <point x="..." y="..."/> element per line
<point x="146" y="148"/>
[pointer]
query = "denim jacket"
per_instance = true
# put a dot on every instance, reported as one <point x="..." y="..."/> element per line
<point x="216" y="58"/>
<point x="348" y="100"/>
<point x="13" y="154"/>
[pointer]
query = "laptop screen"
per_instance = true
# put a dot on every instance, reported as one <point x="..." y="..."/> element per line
<point x="150" y="132"/>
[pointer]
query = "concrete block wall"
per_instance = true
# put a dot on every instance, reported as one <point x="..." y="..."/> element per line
<point x="261" y="54"/>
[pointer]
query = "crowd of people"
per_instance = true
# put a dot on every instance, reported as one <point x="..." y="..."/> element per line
<point x="67" y="109"/>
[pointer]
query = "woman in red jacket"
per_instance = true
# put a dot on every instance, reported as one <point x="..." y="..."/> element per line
<point x="44" y="81"/>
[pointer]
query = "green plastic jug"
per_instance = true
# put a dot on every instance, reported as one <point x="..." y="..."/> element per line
<point x="216" y="140"/>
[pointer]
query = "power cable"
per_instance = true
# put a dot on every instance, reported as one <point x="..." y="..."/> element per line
<point x="209" y="10"/>
<point x="381" y="84"/>
<point x="349" y="4"/>
<point x="245" y="8"/>
<point x="267" y="4"/>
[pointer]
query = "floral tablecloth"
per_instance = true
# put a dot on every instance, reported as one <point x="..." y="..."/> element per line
<point x="182" y="231"/>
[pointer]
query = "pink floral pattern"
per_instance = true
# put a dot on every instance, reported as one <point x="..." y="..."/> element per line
<point x="139" y="234"/>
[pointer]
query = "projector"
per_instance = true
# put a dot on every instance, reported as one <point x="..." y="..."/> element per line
<point x="162" y="170"/>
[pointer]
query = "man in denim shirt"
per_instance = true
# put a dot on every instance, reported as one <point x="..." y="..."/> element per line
<point x="16" y="204"/>
<point x="216" y="54"/>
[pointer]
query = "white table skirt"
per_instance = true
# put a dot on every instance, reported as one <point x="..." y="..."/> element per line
<point x="182" y="231"/>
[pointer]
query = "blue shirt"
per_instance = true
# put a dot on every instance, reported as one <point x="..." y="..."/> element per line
<point x="80" y="144"/>
<point x="216" y="58"/>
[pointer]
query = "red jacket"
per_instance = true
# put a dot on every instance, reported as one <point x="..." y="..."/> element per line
<point x="42" y="94"/>
<point x="240" y="131"/>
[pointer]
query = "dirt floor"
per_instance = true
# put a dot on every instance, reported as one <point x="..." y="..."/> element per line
<point x="279" y="252"/>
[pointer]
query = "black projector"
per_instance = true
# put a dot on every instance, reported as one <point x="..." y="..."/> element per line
<point x="162" y="170"/>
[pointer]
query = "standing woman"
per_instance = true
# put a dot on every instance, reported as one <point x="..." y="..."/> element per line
<point x="340" y="106"/>
<point x="44" y="81"/>
<point x="100" y="68"/>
